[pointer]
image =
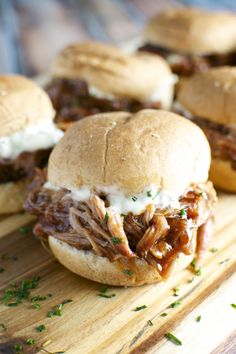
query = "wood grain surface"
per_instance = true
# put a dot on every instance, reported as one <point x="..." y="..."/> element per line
<point x="92" y="324"/>
<point x="32" y="32"/>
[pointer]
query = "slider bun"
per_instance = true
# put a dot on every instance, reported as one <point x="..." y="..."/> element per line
<point x="193" y="31"/>
<point x="131" y="151"/>
<point x="88" y="265"/>
<point x="113" y="72"/>
<point x="12" y="196"/>
<point x="223" y="175"/>
<point x="210" y="95"/>
<point x="22" y="103"/>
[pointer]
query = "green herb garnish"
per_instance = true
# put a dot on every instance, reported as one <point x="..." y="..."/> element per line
<point x="224" y="261"/>
<point x="41" y="328"/>
<point x="214" y="250"/>
<point x="150" y="323"/>
<point x="200" y="194"/>
<point x="123" y="215"/>
<point x="30" y="341"/>
<point x="106" y="217"/>
<point x="134" y="198"/>
<point x="198" y="318"/>
<point x="128" y="272"/>
<point x="234" y="306"/>
<point x="164" y="314"/>
<point x="149" y="193"/>
<point x="198" y="272"/>
<point x="57" y="311"/>
<point x="14" y="294"/>
<point x="36" y="306"/>
<point x="3" y="326"/>
<point x="139" y="308"/>
<point x="175" y="304"/>
<point x="175" y="292"/>
<point x="40" y="298"/>
<point x="24" y="230"/>
<point x="116" y="240"/>
<point x="103" y="290"/>
<point x="18" y="348"/>
<point x="106" y="296"/>
<point x="173" y="338"/>
<point x="183" y="213"/>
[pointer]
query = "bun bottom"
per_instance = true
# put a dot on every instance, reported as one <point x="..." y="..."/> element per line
<point x="223" y="175"/>
<point x="88" y="265"/>
<point x="12" y="196"/>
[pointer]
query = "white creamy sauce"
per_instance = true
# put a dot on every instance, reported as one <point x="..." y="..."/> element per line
<point x="123" y="204"/>
<point x="163" y="93"/>
<point x="35" y="137"/>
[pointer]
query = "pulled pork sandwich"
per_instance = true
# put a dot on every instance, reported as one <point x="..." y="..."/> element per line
<point x="92" y="77"/>
<point x="27" y="135"/>
<point x="126" y="198"/>
<point x="209" y="100"/>
<point x="192" y="40"/>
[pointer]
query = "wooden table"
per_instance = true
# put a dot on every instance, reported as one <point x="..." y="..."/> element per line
<point x="32" y="32"/>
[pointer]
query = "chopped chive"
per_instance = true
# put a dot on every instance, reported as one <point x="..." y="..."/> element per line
<point x="30" y="341"/>
<point x="51" y="313"/>
<point x="67" y="301"/>
<point x="123" y="215"/>
<point x="3" y="326"/>
<point x="116" y="240"/>
<point x="106" y="217"/>
<point x="106" y="296"/>
<point x="134" y="198"/>
<point x="18" y="347"/>
<point x="198" y="318"/>
<point x="183" y="213"/>
<point x="193" y="263"/>
<point x="128" y="272"/>
<point x="234" y="306"/>
<point x="198" y="272"/>
<point x="14" y="294"/>
<point x="175" y="292"/>
<point x="103" y="290"/>
<point x="214" y="250"/>
<point x="57" y="311"/>
<point x="164" y="314"/>
<point x="150" y="323"/>
<point x="149" y="193"/>
<point x="175" y="304"/>
<point x="40" y="298"/>
<point x="24" y="230"/>
<point x="200" y="194"/>
<point x="224" y="261"/>
<point x="36" y="306"/>
<point x="41" y="328"/>
<point x="139" y="308"/>
<point x="173" y="338"/>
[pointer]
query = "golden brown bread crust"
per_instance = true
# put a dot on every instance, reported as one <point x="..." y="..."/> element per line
<point x="210" y="95"/>
<point x="87" y="264"/>
<point x="131" y="151"/>
<point x="22" y="103"/>
<point x="12" y="196"/>
<point x="113" y="72"/>
<point x="194" y="31"/>
<point x="223" y="175"/>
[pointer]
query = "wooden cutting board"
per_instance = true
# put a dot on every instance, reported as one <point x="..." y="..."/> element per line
<point x="93" y="324"/>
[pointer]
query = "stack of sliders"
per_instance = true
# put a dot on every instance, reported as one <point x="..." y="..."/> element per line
<point x="126" y="199"/>
<point x="92" y="77"/>
<point x="27" y="136"/>
<point x="209" y="100"/>
<point x="192" y="40"/>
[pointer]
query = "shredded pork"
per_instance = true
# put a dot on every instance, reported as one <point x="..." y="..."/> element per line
<point x="156" y="235"/>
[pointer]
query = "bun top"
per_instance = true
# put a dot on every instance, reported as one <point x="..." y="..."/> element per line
<point x="131" y="151"/>
<point x="193" y="31"/>
<point x="22" y="104"/>
<point x="113" y="72"/>
<point x="210" y="95"/>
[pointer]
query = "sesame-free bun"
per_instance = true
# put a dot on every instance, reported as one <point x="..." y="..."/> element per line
<point x="193" y="31"/>
<point x="22" y="103"/>
<point x="108" y="69"/>
<point x="12" y="196"/>
<point x="210" y="95"/>
<point x="91" y="266"/>
<point x="223" y="175"/>
<point x="131" y="151"/>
